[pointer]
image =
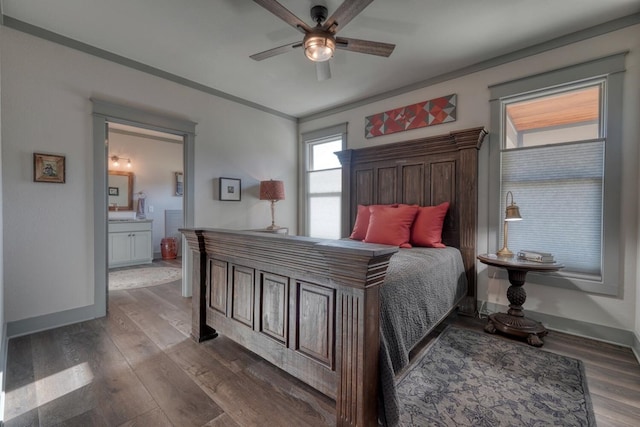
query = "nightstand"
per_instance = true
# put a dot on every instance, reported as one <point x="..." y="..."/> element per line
<point x="514" y="322"/>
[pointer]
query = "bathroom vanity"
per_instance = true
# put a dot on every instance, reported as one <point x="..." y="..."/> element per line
<point x="130" y="242"/>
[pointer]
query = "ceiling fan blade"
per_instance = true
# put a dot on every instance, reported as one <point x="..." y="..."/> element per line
<point x="283" y="13"/>
<point x="364" y="46"/>
<point x="323" y="70"/>
<point x="275" y="51"/>
<point x="348" y="10"/>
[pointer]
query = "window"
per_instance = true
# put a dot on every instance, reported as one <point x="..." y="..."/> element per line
<point x="323" y="182"/>
<point x="559" y="154"/>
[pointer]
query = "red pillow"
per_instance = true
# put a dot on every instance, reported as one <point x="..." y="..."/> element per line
<point x="391" y="225"/>
<point x="362" y="222"/>
<point x="427" y="227"/>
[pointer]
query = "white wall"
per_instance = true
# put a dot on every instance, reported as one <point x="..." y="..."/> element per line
<point x="473" y="110"/>
<point x="153" y="164"/>
<point x="3" y="329"/>
<point x="48" y="228"/>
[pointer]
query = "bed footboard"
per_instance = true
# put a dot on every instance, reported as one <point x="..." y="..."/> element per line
<point x="309" y="306"/>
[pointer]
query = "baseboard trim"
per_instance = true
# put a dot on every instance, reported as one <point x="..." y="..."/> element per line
<point x="4" y="350"/>
<point x="636" y="346"/>
<point x="602" y="333"/>
<point x="50" y="321"/>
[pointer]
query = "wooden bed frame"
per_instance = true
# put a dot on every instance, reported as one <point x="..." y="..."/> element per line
<point x="311" y="306"/>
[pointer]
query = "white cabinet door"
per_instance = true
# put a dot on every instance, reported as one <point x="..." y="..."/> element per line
<point x="141" y="246"/>
<point x="130" y="243"/>
<point x="119" y="247"/>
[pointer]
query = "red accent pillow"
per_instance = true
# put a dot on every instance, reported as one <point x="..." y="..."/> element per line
<point x="361" y="225"/>
<point x="391" y="225"/>
<point x="427" y="227"/>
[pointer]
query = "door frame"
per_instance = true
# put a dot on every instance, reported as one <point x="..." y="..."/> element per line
<point x="103" y="113"/>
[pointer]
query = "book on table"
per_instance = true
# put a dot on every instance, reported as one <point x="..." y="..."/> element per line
<point x="535" y="256"/>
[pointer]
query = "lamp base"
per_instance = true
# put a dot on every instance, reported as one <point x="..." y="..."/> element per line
<point x="505" y="253"/>
<point x="274" y="227"/>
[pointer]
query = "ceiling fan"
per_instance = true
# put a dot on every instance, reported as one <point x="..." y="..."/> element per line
<point x="320" y="42"/>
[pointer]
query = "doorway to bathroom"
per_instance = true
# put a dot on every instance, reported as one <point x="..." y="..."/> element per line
<point x="140" y="142"/>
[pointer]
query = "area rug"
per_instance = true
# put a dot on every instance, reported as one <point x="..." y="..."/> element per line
<point x="143" y="277"/>
<point x="468" y="378"/>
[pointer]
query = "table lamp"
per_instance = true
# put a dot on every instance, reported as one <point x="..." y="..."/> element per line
<point x="273" y="191"/>
<point x="512" y="213"/>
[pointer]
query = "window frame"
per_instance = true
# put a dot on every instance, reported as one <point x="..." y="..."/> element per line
<point x="308" y="139"/>
<point x="611" y="70"/>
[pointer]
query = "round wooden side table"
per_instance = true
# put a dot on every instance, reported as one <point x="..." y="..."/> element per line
<point x="514" y="322"/>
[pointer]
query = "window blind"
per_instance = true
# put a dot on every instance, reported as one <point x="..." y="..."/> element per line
<point x="559" y="189"/>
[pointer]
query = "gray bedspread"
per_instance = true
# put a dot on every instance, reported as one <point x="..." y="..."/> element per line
<point x="421" y="287"/>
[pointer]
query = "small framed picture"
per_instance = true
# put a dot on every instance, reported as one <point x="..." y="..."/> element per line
<point x="114" y="191"/>
<point x="179" y="183"/>
<point x="230" y="189"/>
<point x="48" y="168"/>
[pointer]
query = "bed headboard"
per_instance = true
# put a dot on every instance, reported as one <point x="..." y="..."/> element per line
<point x="425" y="171"/>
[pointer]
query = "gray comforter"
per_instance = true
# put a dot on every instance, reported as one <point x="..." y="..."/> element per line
<point x="421" y="287"/>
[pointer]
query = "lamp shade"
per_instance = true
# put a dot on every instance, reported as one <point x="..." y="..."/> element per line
<point x="512" y="213"/>
<point x="271" y="190"/>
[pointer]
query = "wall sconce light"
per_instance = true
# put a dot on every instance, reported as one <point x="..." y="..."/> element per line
<point x="273" y="191"/>
<point x="116" y="161"/>
<point x="512" y="213"/>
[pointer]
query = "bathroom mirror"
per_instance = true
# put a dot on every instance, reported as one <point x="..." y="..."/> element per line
<point x="120" y="191"/>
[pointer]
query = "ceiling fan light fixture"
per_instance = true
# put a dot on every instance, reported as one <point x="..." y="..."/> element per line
<point x="319" y="47"/>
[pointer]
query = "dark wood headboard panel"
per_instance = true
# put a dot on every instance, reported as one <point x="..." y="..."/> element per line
<point x="425" y="171"/>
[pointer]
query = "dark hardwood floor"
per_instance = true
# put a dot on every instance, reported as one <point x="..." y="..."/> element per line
<point x="138" y="367"/>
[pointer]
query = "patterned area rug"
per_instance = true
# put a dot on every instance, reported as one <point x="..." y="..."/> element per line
<point x="468" y="378"/>
<point x="143" y="277"/>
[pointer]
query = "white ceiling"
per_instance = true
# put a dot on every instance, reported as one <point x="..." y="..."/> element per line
<point x="209" y="41"/>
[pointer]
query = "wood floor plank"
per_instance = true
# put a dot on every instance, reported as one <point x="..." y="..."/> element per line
<point x="239" y="398"/>
<point x="130" y="339"/>
<point x="155" y="418"/>
<point x="173" y="294"/>
<point x="293" y="392"/>
<point x="282" y="393"/>
<point x="631" y="381"/>
<point x="175" y="316"/>
<point x="180" y="398"/>
<point x="120" y="297"/>
<point x="611" y="389"/>
<point x="162" y="333"/>
<point x="614" y="360"/>
<point x="230" y="354"/>
<point x="615" y="411"/>
<point x="91" y="373"/>
<point x="91" y="418"/>
<point x="198" y="363"/>
<point x="21" y="404"/>
<point x="63" y="380"/>
<point x="223" y="420"/>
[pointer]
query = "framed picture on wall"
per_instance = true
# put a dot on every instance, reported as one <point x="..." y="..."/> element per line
<point x="179" y="183"/>
<point x="48" y="168"/>
<point x="230" y="189"/>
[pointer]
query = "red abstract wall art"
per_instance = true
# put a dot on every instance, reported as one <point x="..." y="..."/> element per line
<point x="422" y="114"/>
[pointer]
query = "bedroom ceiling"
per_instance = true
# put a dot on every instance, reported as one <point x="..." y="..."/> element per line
<point x="209" y="42"/>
